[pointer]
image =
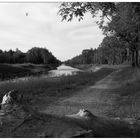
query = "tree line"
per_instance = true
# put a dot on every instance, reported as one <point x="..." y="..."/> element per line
<point x="118" y="21"/>
<point x="110" y="51"/>
<point x="35" y="55"/>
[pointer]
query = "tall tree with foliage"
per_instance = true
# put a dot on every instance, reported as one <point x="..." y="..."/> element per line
<point x="123" y="20"/>
<point x="35" y="55"/>
<point x="113" y="50"/>
<point x="125" y="25"/>
<point x="41" y="56"/>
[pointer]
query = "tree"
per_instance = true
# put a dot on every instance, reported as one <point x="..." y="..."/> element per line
<point x="34" y="56"/>
<point x="126" y="25"/>
<point x="113" y="50"/>
<point x="19" y="56"/>
<point x="123" y="20"/>
<point x="110" y="51"/>
<point x="68" y="10"/>
<point x="41" y="56"/>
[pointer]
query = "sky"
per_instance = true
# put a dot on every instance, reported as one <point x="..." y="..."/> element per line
<point x="44" y="28"/>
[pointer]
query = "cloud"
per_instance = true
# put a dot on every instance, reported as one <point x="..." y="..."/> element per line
<point x="43" y="28"/>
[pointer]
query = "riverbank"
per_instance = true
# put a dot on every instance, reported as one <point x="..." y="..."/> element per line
<point x="95" y="67"/>
<point x="108" y="93"/>
<point x="117" y="95"/>
<point x="11" y="71"/>
<point x="112" y="95"/>
<point x="42" y="92"/>
<point x="64" y="86"/>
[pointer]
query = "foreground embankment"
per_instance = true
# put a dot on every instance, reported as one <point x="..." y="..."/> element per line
<point x="112" y="97"/>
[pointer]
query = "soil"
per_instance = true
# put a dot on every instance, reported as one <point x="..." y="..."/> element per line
<point x="95" y="98"/>
<point x="51" y="120"/>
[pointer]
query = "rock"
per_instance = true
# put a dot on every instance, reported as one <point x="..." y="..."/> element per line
<point x="10" y="97"/>
<point x="6" y="98"/>
<point x="9" y="100"/>
<point x="11" y="109"/>
<point x="20" y="120"/>
<point x="83" y="114"/>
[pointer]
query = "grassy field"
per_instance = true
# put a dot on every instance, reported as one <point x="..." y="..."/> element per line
<point x="53" y="87"/>
<point x="128" y="102"/>
<point x="117" y="95"/>
<point x="124" y="100"/>
<point x="113" y="95"/>
<point x="10" y="71"/>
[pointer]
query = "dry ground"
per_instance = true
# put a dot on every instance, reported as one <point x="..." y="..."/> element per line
<point x="116" y="95"/>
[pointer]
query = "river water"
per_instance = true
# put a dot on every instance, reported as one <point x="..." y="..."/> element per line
<point x="62" y="70"/>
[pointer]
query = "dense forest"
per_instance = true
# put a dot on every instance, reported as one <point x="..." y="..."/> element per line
<point x="110" y="51"/>
<point x="120" y="23"/>
<point x="35" y="55"/>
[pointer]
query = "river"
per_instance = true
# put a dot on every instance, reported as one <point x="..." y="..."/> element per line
<point x="61" y="70"/>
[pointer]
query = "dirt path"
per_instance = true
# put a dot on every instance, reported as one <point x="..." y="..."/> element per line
<point x="95" y="98"/>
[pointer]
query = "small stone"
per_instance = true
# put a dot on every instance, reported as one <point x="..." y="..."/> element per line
<point x="6" y="99"/>
<point x="85" y="114"/>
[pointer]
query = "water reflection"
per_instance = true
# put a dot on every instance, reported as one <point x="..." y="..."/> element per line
<point x="63" y="70"/>
<point x="60" y="71"/>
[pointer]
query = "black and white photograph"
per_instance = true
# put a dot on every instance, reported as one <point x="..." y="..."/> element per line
<point x="69" y="69"/>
